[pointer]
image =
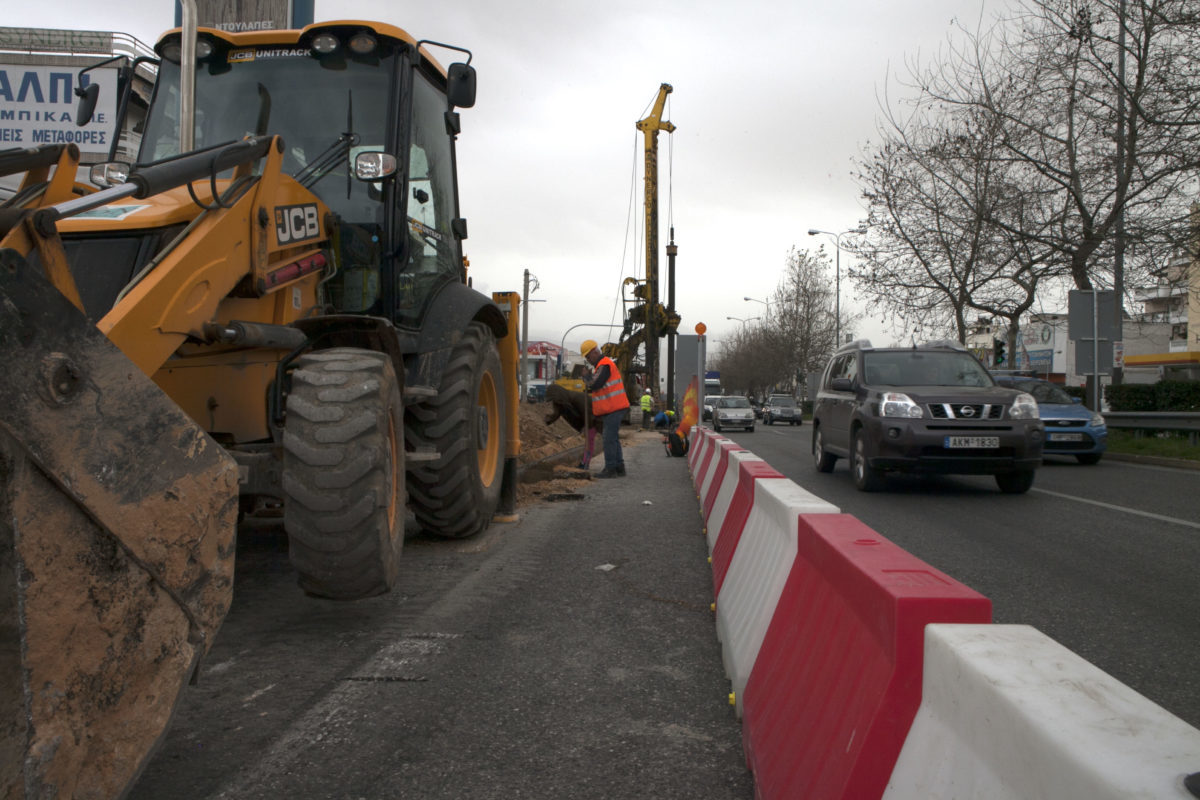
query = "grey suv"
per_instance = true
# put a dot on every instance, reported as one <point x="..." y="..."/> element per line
<point x="932" y="408"/>
<point x="782" y="408"/>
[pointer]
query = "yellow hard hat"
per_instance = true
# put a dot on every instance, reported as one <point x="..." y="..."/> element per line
<point x="588" y="346"/>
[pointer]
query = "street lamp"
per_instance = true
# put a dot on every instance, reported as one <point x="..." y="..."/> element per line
<point x="744" y="321"/>
<point x="837" y="281"/>
<point x="756" y="300"/>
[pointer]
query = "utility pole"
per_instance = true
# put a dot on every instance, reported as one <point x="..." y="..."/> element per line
<point x="1118" y="372"/>
<point x="650" y="126"/>
<point x="524" y="338"/>
<point x="672" y="250"/>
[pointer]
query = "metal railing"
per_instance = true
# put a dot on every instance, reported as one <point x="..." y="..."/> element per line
<point x="1183" y="421"/>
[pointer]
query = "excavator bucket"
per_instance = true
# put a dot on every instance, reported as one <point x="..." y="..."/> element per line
<point x="117" y="526"/>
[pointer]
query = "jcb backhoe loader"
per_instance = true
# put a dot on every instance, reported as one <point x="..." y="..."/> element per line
<point x="272" y="320"/>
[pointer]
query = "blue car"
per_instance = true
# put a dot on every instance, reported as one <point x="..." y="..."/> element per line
<point x="1071" y="428"/>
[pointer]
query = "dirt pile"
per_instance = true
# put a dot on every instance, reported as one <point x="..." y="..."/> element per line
<point x="542" y="480"/>
<point x="539" y="440"/>
<point x="545" y="478"/>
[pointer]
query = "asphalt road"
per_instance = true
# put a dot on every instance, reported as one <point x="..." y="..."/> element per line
<point x="570" y="655"/>
<point x="1104" y="559"/>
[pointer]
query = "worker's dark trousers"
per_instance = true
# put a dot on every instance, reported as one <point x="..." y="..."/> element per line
<point x="612" y="441"/>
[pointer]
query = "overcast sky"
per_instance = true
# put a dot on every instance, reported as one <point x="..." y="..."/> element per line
<point x="772" y="101"/>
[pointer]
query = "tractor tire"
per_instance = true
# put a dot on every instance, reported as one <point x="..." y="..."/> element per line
<point x="343" y="473"/>
<point x="466" y="424"/>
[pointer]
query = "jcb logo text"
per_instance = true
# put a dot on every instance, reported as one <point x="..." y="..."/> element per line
<point x="296" y="223"/>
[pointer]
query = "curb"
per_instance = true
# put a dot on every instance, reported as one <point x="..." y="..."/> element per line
<point x="1157" y="461"/>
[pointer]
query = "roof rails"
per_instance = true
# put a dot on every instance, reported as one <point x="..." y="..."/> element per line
<point x="950" y="344"/>
<point x="857" y="344"/>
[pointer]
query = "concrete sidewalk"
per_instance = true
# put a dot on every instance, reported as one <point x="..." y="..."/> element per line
<point x="600" y="676"/>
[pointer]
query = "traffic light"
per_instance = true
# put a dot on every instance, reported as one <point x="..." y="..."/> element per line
<point x="998" y="351"/>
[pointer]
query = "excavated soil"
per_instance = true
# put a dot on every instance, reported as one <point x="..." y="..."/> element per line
<point x="545" y="478"/>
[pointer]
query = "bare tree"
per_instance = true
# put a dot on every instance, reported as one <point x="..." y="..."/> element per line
<point x="1009" y="173"/>
<point x="934" y="253"/>
<point x="1050" y="77"/>
<point x="797" y="336"/>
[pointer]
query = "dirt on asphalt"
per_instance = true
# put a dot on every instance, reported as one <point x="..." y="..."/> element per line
<point x="545" y="478"/>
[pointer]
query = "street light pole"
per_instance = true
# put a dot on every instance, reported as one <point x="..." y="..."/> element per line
<point x="756" y="300"/>
<point x="744" y="321"/>
<point x="837" y="280"/>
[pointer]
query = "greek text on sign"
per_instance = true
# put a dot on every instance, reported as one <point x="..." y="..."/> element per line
<point x="37" y="106"/>
<point x="296" y="223"/>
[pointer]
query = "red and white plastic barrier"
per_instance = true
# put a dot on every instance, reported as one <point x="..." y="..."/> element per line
<point x="751" y="567"/>
<point x="837" y="680"/>
<point x="723" y="488"/>
<point x="834" y="637"/>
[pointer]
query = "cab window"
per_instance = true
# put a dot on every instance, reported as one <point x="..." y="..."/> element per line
<point x="431" y="253"/>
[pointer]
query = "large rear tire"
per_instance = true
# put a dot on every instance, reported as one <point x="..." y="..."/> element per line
<point x="343" y="473"/>
<point x="456" y="495"/>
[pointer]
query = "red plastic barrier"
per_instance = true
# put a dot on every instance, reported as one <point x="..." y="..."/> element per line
<point x="837" y="681"/>
<point x="701" y="442"/>
<point x="701" y="439"/>
<point x="723" y="449"/>
<point x="749" y="472"/>
<point x="705" y="462"/>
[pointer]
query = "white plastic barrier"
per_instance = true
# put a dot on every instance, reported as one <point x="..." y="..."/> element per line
<point x="724" y="494"/>
<point x="757" y="572"/>
<point x="1008" y="713"/>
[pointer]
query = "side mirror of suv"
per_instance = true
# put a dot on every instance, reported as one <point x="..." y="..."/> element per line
<point x="841" y="385"/>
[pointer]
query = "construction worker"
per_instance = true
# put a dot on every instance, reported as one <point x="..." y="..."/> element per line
<point x="608" y="404"/>
<point x="647" y="409"/>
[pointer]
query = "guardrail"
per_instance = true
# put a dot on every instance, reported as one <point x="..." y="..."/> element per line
<point x="1184" y="421"/>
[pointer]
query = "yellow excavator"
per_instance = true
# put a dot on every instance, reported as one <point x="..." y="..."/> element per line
<point x="267" y="315"/>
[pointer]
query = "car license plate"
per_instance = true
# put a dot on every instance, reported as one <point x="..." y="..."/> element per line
<point x="1066" y="437"/>
<point x="973" y="442"/>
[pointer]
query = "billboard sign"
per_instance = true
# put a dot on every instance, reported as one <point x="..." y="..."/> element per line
<point x="250" y="15"/>
<point x="53" y="40"/>
<point x="37" y="106"/>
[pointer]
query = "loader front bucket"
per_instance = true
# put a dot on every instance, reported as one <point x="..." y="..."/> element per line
<point x="117" y="525"/>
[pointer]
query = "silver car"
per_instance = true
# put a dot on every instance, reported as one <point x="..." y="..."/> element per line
<point x="732" y="412"/>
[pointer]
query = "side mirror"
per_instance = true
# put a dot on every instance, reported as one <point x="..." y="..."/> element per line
<point x="374" y="165"/>
<point x="108" y="174"/>
<point x="88" y="95"/>
<point x="841" y="385"/>
<point x="460" y="85"/>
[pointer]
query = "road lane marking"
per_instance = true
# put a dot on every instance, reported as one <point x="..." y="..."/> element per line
<point x="1148" y="514"/>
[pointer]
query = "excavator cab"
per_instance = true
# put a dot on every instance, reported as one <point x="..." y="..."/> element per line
<point x="363" y="116"/>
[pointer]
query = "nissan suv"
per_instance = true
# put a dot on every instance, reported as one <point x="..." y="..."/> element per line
<point x="932" y="408"/>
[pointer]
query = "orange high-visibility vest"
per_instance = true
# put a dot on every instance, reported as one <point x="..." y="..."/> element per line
<point x="611" y="396"/>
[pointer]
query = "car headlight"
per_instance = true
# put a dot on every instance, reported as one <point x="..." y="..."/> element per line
<point x="897" y="404"/>
<point x="1023" y="407"/>
<point x="1098" y="420"/>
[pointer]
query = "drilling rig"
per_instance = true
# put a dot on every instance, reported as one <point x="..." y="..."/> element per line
<point x="648" y="320"/>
